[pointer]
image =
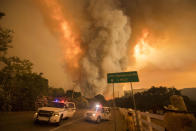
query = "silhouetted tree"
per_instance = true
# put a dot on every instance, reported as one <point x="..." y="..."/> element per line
<point x="5" y="38"/>
<point x="154" y="98"/>
<point x="19" y="86"/>
<point x="2" y="14"/>
<point x="56" y="92"/>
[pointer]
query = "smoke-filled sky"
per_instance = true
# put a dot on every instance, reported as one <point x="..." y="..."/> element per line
<point x="75" y="43"/>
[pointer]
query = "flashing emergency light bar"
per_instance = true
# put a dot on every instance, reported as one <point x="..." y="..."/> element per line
<point x="57" y="101"/>
<point x="97" y="106"/>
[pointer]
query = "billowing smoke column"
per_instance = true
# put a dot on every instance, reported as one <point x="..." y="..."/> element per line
<point x="106" y="45"/>
<point x="97" y="38"/>
<point x="102" y="46"/>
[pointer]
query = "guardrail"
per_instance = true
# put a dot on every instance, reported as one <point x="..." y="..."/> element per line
<point x="145" y="122"/>
<point x="148" y="122"/>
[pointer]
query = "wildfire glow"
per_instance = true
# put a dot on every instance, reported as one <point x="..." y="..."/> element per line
<point x="143" y="52"/>
<point x="71" y="46"/>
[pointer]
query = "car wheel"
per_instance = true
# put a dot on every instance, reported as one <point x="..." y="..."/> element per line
<point x="35" y="121"/>
<point x="60" y="121"/>
<point x="98" y="119"/>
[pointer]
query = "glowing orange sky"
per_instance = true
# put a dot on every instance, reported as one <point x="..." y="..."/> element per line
<point x="168" y="61"/>
<point x="156" y="67"/>
<point x="69" y="39"/>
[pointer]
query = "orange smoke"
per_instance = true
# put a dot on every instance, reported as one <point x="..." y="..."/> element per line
<point x="140" y="48"/>
<point x="70" y="40"/>
<point x="143" y="51"/>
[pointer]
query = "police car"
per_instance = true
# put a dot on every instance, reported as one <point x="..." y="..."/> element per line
<point x="98" y="113"/>
<point x="55" y="112"/>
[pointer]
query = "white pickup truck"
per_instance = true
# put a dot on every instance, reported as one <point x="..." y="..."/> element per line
<point x="98" y="113"/>
<point x="55" y="112"/>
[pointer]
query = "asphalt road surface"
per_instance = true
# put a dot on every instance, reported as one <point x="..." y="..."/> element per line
<point x="116" y="124"/>
<point x="22" y="121"/>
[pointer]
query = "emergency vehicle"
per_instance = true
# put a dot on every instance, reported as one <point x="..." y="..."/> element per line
<point x="98" y="113"/>
<point x="55" y="112"/>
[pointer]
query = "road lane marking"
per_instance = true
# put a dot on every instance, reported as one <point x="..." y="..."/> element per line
<point x="66" y="124"/>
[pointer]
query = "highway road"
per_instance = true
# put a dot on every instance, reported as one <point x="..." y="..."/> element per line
<point x="22" y="121"/>
<point x="116" y="123"/>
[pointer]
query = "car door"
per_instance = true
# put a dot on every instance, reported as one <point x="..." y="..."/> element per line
<point x="106" y="113"/>
<point x="65" y="112"/>
<point x="103" y="115"/>
<point x="71" y="109"/>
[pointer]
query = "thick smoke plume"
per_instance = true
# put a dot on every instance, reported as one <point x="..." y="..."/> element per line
<point x="104" y="38"/>
<point x="105" y="32"/>
<point x="106" y="45"/>
<point x="171" y="31"/>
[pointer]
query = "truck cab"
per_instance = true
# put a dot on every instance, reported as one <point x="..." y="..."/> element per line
<point x="55" y="112"/>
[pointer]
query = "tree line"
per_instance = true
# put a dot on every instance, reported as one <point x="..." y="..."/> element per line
<point x="19" y="85"/>
<point x="153" y="99"/>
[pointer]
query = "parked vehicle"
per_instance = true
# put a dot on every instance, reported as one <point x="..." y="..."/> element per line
<point x="55" y="112"/>
<point x="98" y="113"/>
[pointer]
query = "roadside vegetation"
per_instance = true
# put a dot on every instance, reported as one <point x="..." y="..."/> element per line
<point x="154" y="99"/>
<point x="19" y="85"/>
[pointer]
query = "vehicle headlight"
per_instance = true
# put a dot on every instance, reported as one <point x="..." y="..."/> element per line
<point x="94" y="114"/>
<point x="55" y="114"/>
<point x="36" y="113"/>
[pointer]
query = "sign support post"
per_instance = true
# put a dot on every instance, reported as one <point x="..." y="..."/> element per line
<point x="134" y="106"/>
<point x="114" y="108"/>
<point x="124" y="77"/>
<point x="113" y="96"/>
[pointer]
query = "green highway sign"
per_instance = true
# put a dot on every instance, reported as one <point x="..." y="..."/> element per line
<point x="122" y="77"/>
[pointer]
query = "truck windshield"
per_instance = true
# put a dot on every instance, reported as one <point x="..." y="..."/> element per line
<point x="56" y="104"/>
